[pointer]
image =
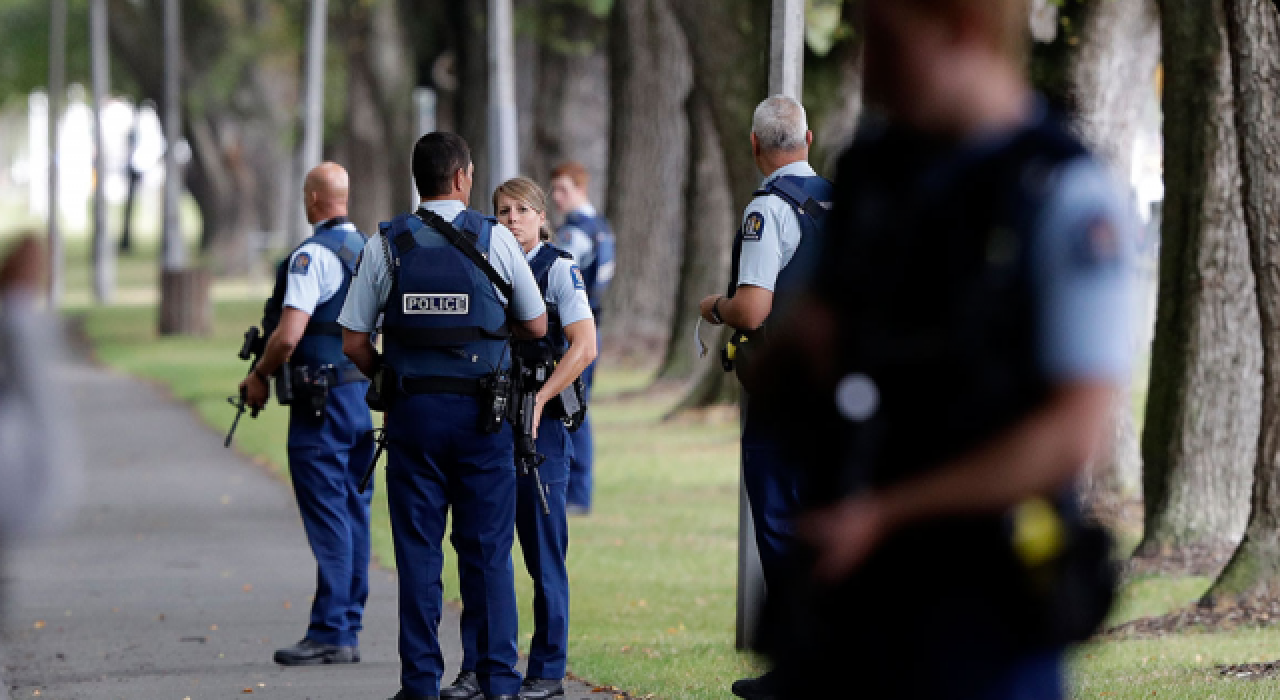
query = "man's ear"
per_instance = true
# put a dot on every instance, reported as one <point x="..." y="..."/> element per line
<point x="755" y="145"/>
<point x="808" y="138"/>
<point x="460" y="180"/>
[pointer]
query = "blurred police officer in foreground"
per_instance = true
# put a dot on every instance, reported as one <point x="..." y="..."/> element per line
<point x="780" y="230"/>
<point x="969" y="322"/>
<point x="585" y="234"/>
<point x="329" y="425"/>
<point x="455" y="288"/>
<point x="559" y="358"/>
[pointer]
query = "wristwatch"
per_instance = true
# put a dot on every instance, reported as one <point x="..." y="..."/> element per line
<point x="715" y="311"/>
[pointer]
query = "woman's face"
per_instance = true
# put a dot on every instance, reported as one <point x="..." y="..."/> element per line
<point x="523" y="220"/>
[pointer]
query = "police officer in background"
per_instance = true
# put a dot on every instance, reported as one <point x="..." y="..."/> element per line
<point x="587" y="235"/>
<point x="568" y="348"/>
<point x="455" y="288"/>
<point x="329" y="424"/>
<point x="968" y="326"/>
<point x="780" y="229"/>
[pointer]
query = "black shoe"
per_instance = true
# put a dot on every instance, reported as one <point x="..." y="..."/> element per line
<point x="406" y="695"/>
<point x="762" y="688"/>
<point x="465" y="687"/>
<point x="540" y="689"/>
<point x="309" y="653"/>
<point x="502" y="697"/>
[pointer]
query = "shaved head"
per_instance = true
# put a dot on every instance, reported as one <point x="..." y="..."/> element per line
<point x="325" y="192"/>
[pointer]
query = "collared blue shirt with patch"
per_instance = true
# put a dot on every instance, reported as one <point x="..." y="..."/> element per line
<point x="771" y="233"/>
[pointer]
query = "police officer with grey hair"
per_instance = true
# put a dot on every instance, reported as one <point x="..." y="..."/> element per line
<point x="771" y="256"/>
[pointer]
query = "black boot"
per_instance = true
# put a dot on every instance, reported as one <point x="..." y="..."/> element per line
<point x="763" y="688"/>
<point x="465" y="687"/>
<point x="406" y="695"/>
<point x="541" y="689"/>
<point x="309" y="653"/>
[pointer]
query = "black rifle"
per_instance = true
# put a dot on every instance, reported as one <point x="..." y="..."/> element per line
<point x="380" y="439"/>
<point x="528" y="381"/>
<point x="252" y="348"/>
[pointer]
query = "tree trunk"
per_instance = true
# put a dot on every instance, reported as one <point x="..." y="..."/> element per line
<point x="472" y="100"/>
<point x="1254" y="29"/>
<point x="730" y="49"/>
<point x="1203" y="406"/>
<point x="649" y="146"/>
<point x="704" y="263"/>
<point x="1113" y="75"/>
<point x="379" y="118"/>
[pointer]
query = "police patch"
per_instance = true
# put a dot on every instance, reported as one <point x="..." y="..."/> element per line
<point x="437" y="304"/>
<point x="301" y="264"/>
<point x="578" y="282"/>
<point x="1097" y="244"/>
<point x="753" y="227"/>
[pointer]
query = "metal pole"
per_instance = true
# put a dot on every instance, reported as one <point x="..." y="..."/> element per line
<point x="173" y="253"/>
<point x="102" y="250"/>
<point x="313" y="121"/>
<point x="786" y="77"/>
<point x="57" y="92"/>
<point x="504" y="148"/>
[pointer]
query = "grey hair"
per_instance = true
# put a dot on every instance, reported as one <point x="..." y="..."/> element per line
<point x="780" y="125"/>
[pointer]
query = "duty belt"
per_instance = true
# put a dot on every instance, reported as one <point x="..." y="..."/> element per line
<point x="443" y="385"/>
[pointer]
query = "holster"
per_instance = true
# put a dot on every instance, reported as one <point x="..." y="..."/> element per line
<point x="382" y="388"/>
<point x="570" y="405"/>
<point x="495" y="401"/>
<point x="311" y="390"/>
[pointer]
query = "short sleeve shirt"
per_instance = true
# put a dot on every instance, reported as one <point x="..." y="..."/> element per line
<point x="1083" y="254"/>
<point x="372" y="283"/>
<point x="770" y="233"/>
<point x="314" y="276"/>
<point x="566" y="290"/>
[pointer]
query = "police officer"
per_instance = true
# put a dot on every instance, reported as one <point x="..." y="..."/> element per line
<point x="969" y="324"/>
<point x="587" y="235"/>
<point x="779" y="231"/>
<point x="329" y="424"/>
<point x="455" y="288"/>
<point x="568" y="348"/>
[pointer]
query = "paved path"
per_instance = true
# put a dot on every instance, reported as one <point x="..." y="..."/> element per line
<point x="186" y="568"/>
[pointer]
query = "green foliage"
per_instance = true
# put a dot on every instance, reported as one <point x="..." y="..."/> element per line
<point x="1051" y="63"/>
<point x="825" y="25"/>
<point x="24" y="34"/>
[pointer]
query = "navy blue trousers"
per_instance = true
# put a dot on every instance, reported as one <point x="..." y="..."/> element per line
<point x="544" y="539"/>
<point x="582" y="462"/>
<point x="326" y="461"/>
<point x="438" y="460"/>
<point x="773" y="492"/>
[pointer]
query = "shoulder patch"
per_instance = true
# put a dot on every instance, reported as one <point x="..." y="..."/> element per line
<point x="753" y="227"/>
<point x="1097" y="245"/>
<point x="578" y="282"/>
<point x="301" y="264"/>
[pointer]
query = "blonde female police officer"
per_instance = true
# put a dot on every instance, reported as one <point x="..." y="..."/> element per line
<point x="456" y="289"/>
<point x="544" y="538"/>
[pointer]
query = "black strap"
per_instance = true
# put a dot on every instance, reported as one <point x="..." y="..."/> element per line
<point x="323" y="328"/>
<point x="444" y="337"/>
<point x="442" y="385"/>
<point x="466" y="246"/>
<point x="788" y="190"/>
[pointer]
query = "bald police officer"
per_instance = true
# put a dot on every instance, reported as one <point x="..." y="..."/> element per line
<point x="329" y="424"/>
<point x="771" y="255"/>
<point x="455" y="289"/>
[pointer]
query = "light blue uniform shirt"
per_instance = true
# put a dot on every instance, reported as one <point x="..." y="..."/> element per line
<point x="314" y="283"/>
<point x="764" y="256"/>
<point x="564" y="290"/>
<point x="1082" y="257"/>
<point x="576" y="241"/>
<point x="372" y="283"/>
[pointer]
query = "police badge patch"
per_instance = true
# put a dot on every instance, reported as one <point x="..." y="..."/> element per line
<point x="301" y="264"/>
<point x="578" y="282"/>
<point x="753" y="227"/>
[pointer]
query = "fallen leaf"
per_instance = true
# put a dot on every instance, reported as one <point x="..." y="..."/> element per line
<point x="213" y="628"/>
<point x="287" y="605"/>
<point x="248" y="587"/>
<point x="247" y="691"/>
<point x="39" y="624"/>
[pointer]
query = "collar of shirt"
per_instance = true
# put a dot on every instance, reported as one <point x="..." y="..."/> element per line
<point x="800" y="167"/>
<point x="586" y="210"/>
<point x="448" y="209"/>
<point x="529" y="255"/>
<point x="332" y="223"/>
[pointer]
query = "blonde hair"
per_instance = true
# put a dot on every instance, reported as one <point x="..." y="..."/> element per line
<point x="522" y="189"/>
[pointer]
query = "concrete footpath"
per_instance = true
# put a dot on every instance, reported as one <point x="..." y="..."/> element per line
<point x="186" y="568"/>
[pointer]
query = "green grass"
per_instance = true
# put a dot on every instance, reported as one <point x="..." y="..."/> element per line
<point x="653" y="568"/>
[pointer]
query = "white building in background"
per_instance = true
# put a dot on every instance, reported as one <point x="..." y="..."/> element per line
<point x="29" y="168"/>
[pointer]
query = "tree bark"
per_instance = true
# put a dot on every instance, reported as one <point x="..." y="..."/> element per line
<point x="1203" y="406"/>
<point x="1112" y="76"/>
<point x="1254" y="29"/>
<point x="730" y="48"/>
<point x="649" y="146"/>
<point x="379" y="110"/>
<point x="704" y="263"/>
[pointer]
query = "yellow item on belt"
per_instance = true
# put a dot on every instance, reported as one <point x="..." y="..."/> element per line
<point x="1038" y="533"/>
